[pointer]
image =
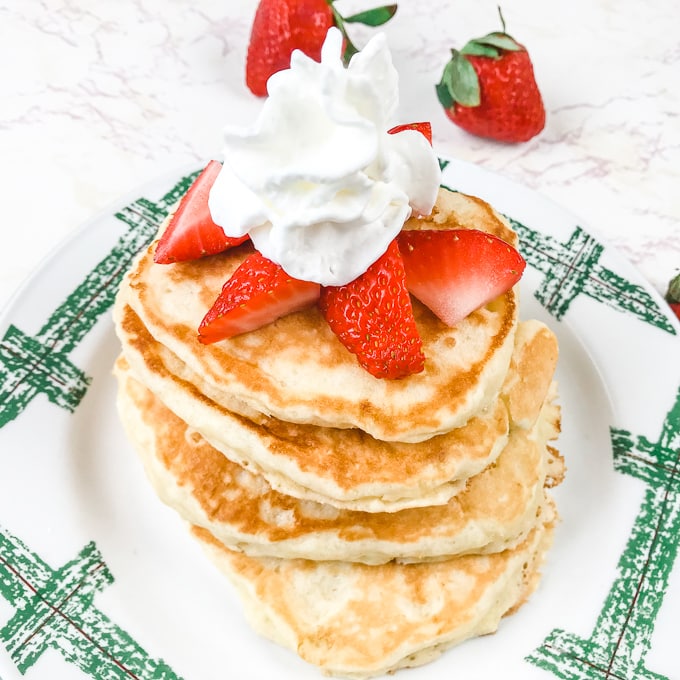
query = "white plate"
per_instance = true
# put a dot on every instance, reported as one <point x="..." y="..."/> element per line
<point x="98" y="579"/>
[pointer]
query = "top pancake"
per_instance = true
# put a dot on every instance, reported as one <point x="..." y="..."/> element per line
<point x="297" y="370"/>
<point x="348" y="468"/>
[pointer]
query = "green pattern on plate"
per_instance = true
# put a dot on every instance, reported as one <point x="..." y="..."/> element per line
<point x="54" y="608"/>
<point x="622" y="636"/>
<point x="40" y="364"/>
<point x="573" y="269"/>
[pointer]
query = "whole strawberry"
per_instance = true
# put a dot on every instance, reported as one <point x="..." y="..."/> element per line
<point x="488" y="88"/>
<point x="281" y="26"/>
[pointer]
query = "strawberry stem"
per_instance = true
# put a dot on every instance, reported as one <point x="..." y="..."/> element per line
<point x="350" y="48"/>
<point x="500" y="14"/>
<point x="376" y="16"/>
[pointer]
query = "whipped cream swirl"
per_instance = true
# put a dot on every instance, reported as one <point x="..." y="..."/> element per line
<point x="318" y="184"/>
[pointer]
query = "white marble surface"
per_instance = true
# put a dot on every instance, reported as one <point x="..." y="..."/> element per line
<point x="98" y="97"/>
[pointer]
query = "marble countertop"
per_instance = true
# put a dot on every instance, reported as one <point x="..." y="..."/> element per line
<point x="101" y="97"/>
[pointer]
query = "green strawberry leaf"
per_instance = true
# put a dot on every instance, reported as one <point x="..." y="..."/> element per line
<point x="350" y="47"/>
<point x="500" y="40"/>
<point x="673" y="293"/>
<point x="480" y="50"/>
<point x="444" y="96"/>
<point x="459" y="82"/>
<point x="350" y="51"/>
<point x="373" y="17"/>
<point x="463" y="82"/>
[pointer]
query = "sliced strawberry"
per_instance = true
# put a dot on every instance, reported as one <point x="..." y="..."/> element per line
<point x="257" y="293"/>
<point x="425" y="128"/>
<point x="454" y="272"/>
<point x="192" y="233"/>
<point x="373" y="318"/>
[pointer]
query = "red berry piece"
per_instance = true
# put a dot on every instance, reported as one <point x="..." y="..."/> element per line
<point x="373" y="318"/>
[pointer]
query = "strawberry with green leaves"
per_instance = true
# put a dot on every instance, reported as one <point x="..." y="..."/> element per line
<point x="488" y="88"/>
<point x="281" y="26"/>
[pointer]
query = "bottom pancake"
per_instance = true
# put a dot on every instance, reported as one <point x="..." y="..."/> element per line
<point x="359" y="621"/>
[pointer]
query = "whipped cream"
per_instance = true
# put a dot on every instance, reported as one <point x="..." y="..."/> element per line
<point x="318" y="184"/>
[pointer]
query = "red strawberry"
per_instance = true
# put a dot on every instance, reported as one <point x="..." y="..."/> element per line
<point x="373" y="318"/>
<point x="281" y="26"/>
<point x="488" y="88"/>
<point x="454" y="272"/>
<point x="258" y="292"/>
<point x="424" y="128"/>
<point x="191" y="232"/>
<point x="675" y="306"/>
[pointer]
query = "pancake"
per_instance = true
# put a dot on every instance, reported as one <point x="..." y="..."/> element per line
<point x="361" y="621"/>
<point x="297" y="371"/>
<point x="497" y="508"/>
<point x="347" y="468"/>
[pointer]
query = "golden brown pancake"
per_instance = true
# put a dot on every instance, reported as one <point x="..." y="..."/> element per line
<point x="296" y="370"/>
<point x="497" y="508"/>
<point x="360" y="621"/>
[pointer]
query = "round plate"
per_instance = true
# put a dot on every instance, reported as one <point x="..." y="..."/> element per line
<point x="99" y="579"/>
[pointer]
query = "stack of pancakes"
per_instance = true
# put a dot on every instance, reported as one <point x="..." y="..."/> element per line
<point x="368" y="524"/>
